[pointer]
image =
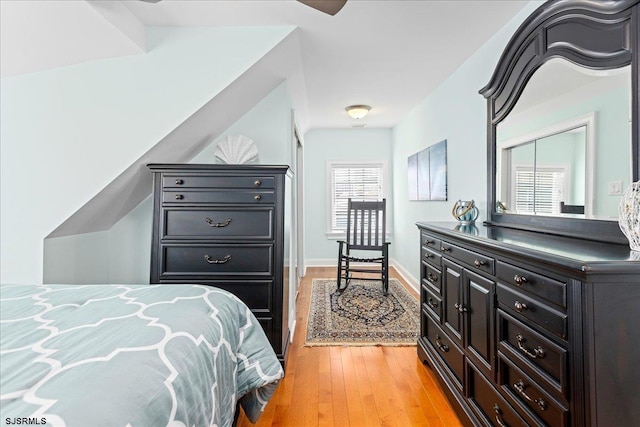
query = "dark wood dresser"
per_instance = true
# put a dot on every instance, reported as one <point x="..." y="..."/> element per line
<point x="224" y="225"/>
<point x="532" y="329"/>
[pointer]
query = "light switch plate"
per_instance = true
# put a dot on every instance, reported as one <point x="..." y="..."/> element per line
<point x="615" y="188"/>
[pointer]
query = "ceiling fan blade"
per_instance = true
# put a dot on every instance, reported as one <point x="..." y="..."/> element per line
<point x="327" y="6"/>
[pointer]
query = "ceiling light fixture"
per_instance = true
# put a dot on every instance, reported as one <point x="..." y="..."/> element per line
<point x="358" y="111"/>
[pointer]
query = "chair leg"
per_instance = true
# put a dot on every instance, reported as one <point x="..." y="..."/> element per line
<point x="339" y="274"/>
<point x="341" y="266"/>
<point x="385" y="281"/>
<point x="385" y="274"/>
<point x="344" y="277"/>
<point x="347" y="274"/>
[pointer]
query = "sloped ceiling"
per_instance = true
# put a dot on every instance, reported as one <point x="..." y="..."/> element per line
<point x="388" y="54"/>
<point x="125" y="192"/>
<point x="39" y="35"/>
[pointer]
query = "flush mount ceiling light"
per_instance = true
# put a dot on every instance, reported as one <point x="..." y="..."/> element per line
<point x="358" y="111"/>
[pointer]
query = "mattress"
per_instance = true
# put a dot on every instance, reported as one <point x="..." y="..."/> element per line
<point x="131" y="355"/>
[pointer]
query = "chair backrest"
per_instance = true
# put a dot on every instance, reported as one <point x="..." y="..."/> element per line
<point x="366" y="224"/>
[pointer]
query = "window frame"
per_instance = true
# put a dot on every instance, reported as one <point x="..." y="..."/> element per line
<point x="332" y="164"/>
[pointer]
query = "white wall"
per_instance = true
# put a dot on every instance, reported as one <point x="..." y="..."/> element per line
<point x="123" y="253"/>
<point x="66" y="133"/>
<point x="268" y="124"/>
<point x="322" y="145"/>
<point x="455" y="111"/>
<point x="119" y="255"/>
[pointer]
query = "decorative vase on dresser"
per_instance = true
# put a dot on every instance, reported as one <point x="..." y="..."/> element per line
<point x="225" y="225"/>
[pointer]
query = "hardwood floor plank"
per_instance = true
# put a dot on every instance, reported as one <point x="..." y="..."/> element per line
<point x="371" y="416"/>
<point x="338" y="391"/>
<point x="354" y="404"/>
<point x="353" y="386"/>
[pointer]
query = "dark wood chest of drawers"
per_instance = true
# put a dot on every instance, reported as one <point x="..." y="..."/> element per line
<point x="531" y="329"/>
<point x="224" y="225"/>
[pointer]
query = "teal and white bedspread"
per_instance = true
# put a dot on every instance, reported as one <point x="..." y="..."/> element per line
<point x="131" y="355"/>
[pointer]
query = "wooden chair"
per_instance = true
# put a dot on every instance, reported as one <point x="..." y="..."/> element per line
<point x="366" y="231"/>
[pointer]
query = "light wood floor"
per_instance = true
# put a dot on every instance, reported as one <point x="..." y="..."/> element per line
<point x="353" y="386"/>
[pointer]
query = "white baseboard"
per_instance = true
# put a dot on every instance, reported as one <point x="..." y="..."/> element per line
<point x="408" y="277"/>
<point x="292" y="331"/>
<point x="321" y="262"/>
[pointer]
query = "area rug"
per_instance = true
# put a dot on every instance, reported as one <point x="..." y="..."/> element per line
<point x="362" y="315"/>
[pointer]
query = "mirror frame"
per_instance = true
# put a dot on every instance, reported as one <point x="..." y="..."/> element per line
<point x="596" y="34"/>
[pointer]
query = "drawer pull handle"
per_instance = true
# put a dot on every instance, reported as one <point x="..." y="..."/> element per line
<point x="427" y="256"/>
<point x="432" y="303"/>
<point x="179" y="197"/>
<point x="443" y="347"/>
<point x="179" y="182"/>
<point x="479" y="263"/>
<point x="445" y="249"/>
<point x="429" y="242"/>
<point x="461" y="308"/>
<point x="537" y="353"/>
<point x="217" y="224"/>
<point x="520" y="280"/>
<point x="520" y="306"/>
<point x="257" y="183"/>
<point x="520" y="386"/>
<point x="257" y="197"/>
<point x="498" y="412"/>
<point x="432" y="277"/>
<point x="217" y="261"/>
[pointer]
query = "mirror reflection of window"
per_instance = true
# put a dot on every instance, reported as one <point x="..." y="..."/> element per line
<point x="562" y="103"/>
<point x="547" y="174"/>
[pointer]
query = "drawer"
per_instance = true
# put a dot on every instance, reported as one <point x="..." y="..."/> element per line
<point x="428" y="241"/>
<point x="535" y="311"/>
<point x="431" y="303"/>
<point x="445" y="348"/>
<point x="542" y="359"/>
<point x="219" y="223"/>
<point x="216" y="181"/>
<point x="430" y="256"/>
<point x="530" y="395"/>
<point x="432" y="277"/>
<point x="217" y="260"/>
<point x="537" y="284"/>
<point x="477" y="261"/>
<point x="256" y="294"/>
<point x="489" y="403"/>
<point x="257" y="197"/>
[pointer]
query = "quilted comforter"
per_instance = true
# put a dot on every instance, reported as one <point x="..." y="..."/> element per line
<point x="131" y="355"/>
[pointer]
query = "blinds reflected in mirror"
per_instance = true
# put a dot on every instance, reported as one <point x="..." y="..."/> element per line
<point x="540" y="192"/>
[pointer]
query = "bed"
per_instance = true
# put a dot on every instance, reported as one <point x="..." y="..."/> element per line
<point x="131" y="355"/>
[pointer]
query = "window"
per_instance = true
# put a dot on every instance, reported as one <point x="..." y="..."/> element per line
<point x="547" y="188"/>
<point x="359" y="181"/>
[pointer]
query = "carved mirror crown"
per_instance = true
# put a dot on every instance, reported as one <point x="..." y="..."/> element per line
<point x="595" y="38"/>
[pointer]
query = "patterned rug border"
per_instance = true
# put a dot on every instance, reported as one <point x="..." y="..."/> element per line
<point x="372" y="343"/>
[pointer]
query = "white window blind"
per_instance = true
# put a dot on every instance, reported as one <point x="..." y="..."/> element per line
<point x="541" y="193"/>
<point x="356" y="181"/>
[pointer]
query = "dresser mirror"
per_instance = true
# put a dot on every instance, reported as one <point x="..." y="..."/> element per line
<point x="565" y="148"/>
<point x="563" y="120"/>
